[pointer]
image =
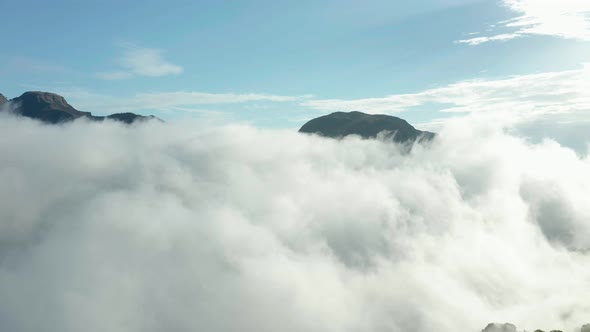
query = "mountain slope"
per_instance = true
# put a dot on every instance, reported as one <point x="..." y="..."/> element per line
<point x="52" y="108"/>
<point x="340" y="124"/>
<point x="45" y="106"/>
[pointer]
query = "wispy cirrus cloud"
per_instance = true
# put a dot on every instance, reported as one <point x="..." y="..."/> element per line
<point x="566" y="19"/>
<point x="525" y="97"/>
<point x="138" y="61"/>
<point x="481" y="40"/>
<point x="164" y="101"/>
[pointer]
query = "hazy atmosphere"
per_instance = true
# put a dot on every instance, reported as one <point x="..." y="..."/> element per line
<point x="295" y="166"/>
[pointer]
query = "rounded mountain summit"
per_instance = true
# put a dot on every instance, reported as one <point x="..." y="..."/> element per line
<point x="341" y="124"/>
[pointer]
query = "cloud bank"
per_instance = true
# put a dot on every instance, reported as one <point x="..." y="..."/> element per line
<point x="170" y="227"/>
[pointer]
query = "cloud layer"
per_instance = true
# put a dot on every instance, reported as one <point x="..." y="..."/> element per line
<point x="169" y="227"/>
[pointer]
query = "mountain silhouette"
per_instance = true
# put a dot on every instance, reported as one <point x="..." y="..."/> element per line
<point x="341" y="124"/>
<point x="53" y="108"/>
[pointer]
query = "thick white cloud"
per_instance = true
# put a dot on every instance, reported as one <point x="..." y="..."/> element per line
<point x="565" y="18"/>
<point x="170" y="227"/>
<point x="138" y="61"/>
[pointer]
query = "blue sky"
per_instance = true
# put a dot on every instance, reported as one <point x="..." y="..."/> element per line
<point x="279" y="63"/>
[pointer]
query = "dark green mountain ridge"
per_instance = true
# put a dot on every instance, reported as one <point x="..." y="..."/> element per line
<point x="341" y="124"/>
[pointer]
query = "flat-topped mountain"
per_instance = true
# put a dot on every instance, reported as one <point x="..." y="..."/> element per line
<point x="53" y="108"/>
<point x="129" y="117"/>
<point x="340" y="124"/>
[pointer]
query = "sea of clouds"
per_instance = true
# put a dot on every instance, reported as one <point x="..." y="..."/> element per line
<point x="178" y="227"/>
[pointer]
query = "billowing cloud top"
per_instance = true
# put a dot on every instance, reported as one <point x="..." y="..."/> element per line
<point x="166" y="227"/>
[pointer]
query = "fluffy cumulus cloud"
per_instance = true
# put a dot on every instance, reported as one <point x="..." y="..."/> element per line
<point x="566" y="19"/>
<point x="137" y="61"/>
<point x="169" y="227"/>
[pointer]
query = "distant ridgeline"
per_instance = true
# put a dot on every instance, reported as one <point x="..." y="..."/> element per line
<point x="341" y="124"/>
<point x="52" y="108"/>
<point x="494" y="327"/>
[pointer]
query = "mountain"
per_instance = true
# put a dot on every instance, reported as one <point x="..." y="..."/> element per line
<point x="2" y="99"/>
<point x="340" y="124"/>
<point x="126" y="117"/>
<point x="129" y="117"/>
<point x="52" y="108"/>
<point x="45" y="106"/>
